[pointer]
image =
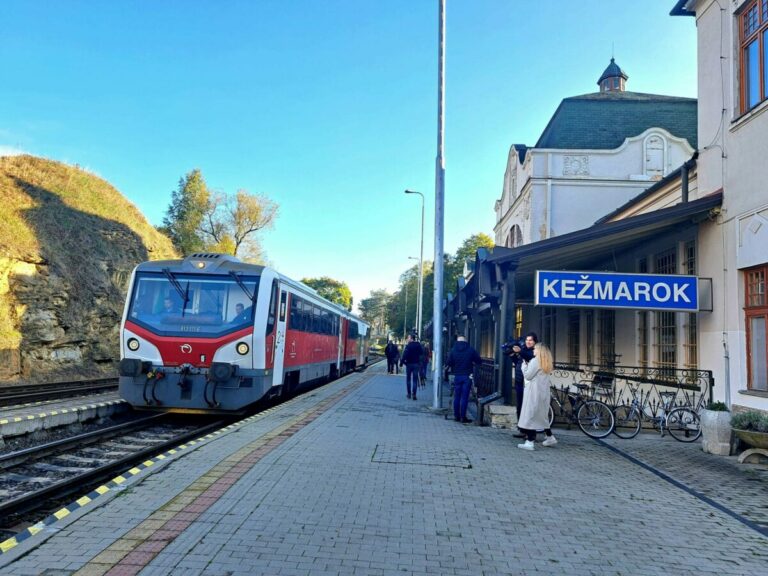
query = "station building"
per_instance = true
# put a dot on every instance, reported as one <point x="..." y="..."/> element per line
<point x="642" y="184"/>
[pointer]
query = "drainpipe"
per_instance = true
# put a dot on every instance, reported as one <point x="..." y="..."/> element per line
<point x="727" y="362"/>
<point x="685" y="169"/>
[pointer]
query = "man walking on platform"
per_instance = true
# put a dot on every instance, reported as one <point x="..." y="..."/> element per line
<point x="412" y="359"/>
<point x="461" y="362"/>
<point x="391" y="353"/>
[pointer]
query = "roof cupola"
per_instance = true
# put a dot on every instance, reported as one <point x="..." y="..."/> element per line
<point x="613" y="79"/>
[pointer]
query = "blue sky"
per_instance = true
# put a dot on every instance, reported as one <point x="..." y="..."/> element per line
<point x="327" y="106"/>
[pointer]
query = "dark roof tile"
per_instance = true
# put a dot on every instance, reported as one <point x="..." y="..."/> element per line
<point x="603" y="120"/>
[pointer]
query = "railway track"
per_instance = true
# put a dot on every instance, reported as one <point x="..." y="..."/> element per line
<point x="34" y="481"/>
<point x="26" y="393"/>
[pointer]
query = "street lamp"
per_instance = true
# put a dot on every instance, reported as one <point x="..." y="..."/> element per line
<point x="405" y="312"/>
<point x="418" y="297"/>
<point x="421" y="266"/>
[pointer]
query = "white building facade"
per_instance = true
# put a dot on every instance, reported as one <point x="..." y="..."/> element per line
<point x="733" y="141"/>
<point x="597" y="152"/>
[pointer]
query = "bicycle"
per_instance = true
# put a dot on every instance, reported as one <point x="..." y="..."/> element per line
<point x="594" y="417"/>
<point x="682" y="423"/>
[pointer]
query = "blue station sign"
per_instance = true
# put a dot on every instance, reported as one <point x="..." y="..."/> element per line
<point x="615" y="290"/>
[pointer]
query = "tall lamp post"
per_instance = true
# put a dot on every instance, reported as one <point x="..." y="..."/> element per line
<point x="437" y="316"/>
<point x="405" y="312"/>
<point x="421" y="267"/>
<point x="418" y="301"/>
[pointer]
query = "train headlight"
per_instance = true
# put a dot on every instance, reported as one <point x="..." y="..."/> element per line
<point x="133" y="344"/>
<point x="242" y="348"/>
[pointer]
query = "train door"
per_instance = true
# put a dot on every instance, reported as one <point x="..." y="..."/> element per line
<point x="277" y="375"/>
<point x="343" y="327"/>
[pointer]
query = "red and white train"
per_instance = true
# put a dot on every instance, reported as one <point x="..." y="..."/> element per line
<point x="211" y="333"/>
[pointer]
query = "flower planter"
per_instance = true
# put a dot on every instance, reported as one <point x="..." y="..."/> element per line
<point x="716" y="432"/>
<point x="753" y="438"/>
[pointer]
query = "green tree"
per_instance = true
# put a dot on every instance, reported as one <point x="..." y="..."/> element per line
<point x="332" y="290"/>
<point x="186" y="213"/>
<point x="374" y="310"/>
<point x="230" y="223"/>
<point x="198" y="219"/>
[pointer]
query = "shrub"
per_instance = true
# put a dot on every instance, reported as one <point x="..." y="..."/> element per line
<point x="750" y="420"/>
<point x="717" y="407"/>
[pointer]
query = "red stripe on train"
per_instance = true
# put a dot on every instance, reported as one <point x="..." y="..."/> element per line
<point x="177" y="350"/>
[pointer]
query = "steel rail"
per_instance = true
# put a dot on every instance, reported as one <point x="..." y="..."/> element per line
<point x="10" y="395"/>
<point x="41" y="498"/>
<point x="19" y="457"/>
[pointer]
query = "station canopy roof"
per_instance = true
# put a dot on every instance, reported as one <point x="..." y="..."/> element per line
<point x="593" y="246"/>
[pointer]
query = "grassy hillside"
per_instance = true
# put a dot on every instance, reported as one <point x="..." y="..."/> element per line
<point x="68" y="242"/>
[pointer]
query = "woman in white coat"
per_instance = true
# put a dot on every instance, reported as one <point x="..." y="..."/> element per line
<point x="535" y="409"/>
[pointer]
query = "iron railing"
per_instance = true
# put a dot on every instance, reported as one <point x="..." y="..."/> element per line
<point x="619" y="385"/>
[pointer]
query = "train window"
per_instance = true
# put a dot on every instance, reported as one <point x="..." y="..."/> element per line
<point x="316" y="320"/>
<point x="283" y="304"/>
<point x="306" y="316"/>
<point x="183" y="304"/>
<point x="294" y="320"/>
<point x="326" y="322"/>
<point x="272" y="306"/>
<point x="352" y="330"/>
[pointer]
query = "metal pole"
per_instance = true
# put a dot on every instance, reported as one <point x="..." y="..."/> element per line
<point x="405" y="312"/>
<point x="421" y="272"/>
<point x="437" y="317"/>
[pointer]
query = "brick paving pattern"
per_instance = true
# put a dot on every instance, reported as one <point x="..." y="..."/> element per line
<point x="379" y="485"/>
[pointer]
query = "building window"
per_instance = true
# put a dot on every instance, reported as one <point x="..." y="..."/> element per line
<point x="756" y="317"/>
<point x="665" y="341"/>
<point x="606" y="337"/>
<point x="754" y="52"/>
<point x="665" y="329"/>
<point x="691" y="323"/>
<point x="573" y="337"/>
<point x="519" y="322"/>
<point x="642" y="325"/>
<point x="642" y="340"/>
<point x="548" y="327"/>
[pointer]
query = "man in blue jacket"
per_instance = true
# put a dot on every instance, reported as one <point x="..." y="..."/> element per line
<point x="412" y="359"/>
<point x="461" y="362"/>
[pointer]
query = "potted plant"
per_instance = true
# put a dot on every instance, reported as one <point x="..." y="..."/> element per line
<point x="752" y="428"/>
<point x="716" y="429"/>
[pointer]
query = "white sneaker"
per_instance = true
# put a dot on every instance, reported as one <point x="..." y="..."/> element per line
<point x="527" y="446"/>
<point x="550" y="441"/>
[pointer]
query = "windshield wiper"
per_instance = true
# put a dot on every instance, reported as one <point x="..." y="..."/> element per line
<point x="243" y="287"/>
<point x="184" y="293"/>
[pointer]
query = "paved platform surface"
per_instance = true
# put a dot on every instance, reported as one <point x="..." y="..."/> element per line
<point x="353" y="478"/>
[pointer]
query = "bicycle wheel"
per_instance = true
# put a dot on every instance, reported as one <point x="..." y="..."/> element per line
<point x="626" y="422"/>
<point x="550" y="415"/>
<point x="595" y="419"/>
<point x="684" y="425"/>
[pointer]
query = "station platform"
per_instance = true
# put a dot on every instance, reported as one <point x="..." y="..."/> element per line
<point x="27" y="418"/>
<point x="353" y="478"/>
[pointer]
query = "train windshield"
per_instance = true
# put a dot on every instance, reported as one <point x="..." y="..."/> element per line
<point x="193" y="305"/>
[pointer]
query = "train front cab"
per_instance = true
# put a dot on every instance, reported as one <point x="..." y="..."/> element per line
<point x="203" y="354"/>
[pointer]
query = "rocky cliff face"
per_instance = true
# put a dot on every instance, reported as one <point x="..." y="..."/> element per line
<point x="68" y="243"/>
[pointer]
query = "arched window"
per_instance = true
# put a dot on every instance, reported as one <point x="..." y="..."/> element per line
<point x="655" y="156"/>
